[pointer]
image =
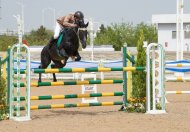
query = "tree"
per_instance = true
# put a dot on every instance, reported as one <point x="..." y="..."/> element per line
<point x="118" y="34"/>
<point x="139" y="77"/>
<point x="6" y="41"/>
<point x="39" y="37"/>
<point x="149" y="31"/>
<point x="3" y="105"/>
<point x="102" y="28"/>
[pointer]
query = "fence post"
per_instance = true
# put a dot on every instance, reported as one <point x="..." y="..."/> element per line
<point x="125" y="77"/>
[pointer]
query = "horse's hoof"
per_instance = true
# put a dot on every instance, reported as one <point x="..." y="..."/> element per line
<point x="78" y="58"/>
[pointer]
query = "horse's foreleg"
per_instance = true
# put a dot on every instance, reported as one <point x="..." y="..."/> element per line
<point x="54" y="77"/>
<point x="40" y="76"/>
<point x="78" y="57"/>
<point x="58" y="64"/>
<point x="45" y="61"/>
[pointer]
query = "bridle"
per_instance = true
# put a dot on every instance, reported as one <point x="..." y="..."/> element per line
<point x="77" y="33"/>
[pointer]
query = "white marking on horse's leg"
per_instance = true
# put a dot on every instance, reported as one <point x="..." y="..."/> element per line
<point x="63" y="61"/>
<point x="73" y="58"/>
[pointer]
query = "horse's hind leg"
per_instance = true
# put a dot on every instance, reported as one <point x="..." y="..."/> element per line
<point x="40" y="74"/>
<point x="54" y="77"/>
<point x="58" y="64"/>
<point x="45" y="61"/>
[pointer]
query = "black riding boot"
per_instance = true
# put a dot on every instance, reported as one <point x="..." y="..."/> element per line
<point x="63" y="53"/>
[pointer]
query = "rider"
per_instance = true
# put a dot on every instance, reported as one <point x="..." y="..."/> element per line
<point x="70" y="20"/>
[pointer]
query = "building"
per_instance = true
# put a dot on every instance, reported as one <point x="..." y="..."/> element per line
<point x="166" y="26"/>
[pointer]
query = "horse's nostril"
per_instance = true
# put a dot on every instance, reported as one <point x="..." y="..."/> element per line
<point x="83" y="43"/>
<point x="84" y="46"/>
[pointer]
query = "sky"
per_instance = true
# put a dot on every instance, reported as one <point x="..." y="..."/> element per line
<point x="101" y="11"/>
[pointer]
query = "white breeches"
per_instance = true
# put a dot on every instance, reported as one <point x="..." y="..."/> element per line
<point x="57" y="30"/>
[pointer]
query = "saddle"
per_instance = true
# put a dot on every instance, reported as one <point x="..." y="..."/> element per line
<point x="61" y="35"/>
<point x="59" y="54"/>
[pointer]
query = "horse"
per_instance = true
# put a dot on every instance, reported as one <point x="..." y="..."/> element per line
<point x="69" y="40"/>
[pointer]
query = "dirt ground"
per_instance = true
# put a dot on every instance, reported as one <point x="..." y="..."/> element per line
<point x="101" y="118"/>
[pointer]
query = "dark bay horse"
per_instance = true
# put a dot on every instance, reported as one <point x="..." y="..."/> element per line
<point x="70" y="43"/>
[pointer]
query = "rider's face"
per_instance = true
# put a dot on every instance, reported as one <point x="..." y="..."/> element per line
<point x="76" y="18"/>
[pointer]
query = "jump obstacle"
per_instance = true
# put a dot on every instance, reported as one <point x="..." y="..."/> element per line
<point x="16" y="98"/>
<point x="17" y="102"/>
<point x="16" y="107"/>
<point x="179" y="68"/>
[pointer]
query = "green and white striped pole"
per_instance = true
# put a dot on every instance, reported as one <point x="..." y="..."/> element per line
<point x="125" y="77"/>
<point x="8" y="76"/>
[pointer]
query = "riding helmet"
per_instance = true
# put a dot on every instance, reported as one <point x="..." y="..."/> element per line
<point x="79" y="14"/>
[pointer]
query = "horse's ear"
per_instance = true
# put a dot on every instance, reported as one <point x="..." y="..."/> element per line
<point x="86" y="25"/>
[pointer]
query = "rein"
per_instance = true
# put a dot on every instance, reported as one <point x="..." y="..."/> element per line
<point x="77" y="33"/>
